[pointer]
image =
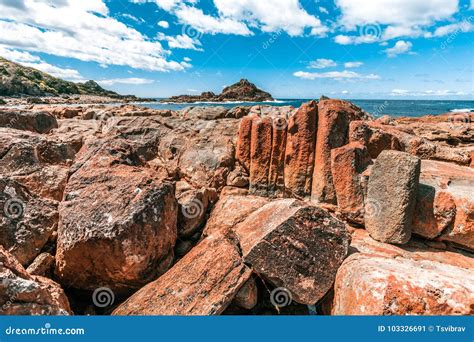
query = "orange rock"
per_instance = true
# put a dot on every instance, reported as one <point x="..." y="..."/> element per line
<point x="368" y="284"/>
<point x="25" y="294"/>
<point x="276" y="182"/>
<point x="299" y="153"/>
<point x="117" y="222"/>
<point x="376" y="141"/>
<point x="247" y="296"/>
<point x="347" y="165"/>
<point x="260" y="155"/>
<point x="334" y="117"/>
<point x="383" y="279"/>
<point x="203" y="282"/>
<point x="242" y="150"/>
<point x="34" y="121"/>
<point x="379" y="137"/>
<point x="230" y="210"/>
<point x="445" y="203"/>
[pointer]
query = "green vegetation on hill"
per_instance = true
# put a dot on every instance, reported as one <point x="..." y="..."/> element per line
<point x="16" y="79"/>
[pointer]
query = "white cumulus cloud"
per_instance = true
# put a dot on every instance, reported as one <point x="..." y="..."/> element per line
<point x="163" y="24"/>
<point x="238" y="17"/>
<point x="335" y="75"/>
<point x="82" y="30"/>
<point x="322" y="63"/>
<point x="400" y="47"/>
<point x="353" y="64"/>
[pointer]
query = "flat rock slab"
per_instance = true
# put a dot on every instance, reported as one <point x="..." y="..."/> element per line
<point x="294" y="245"/>
<point x="368" y="284"/>
<point x="204" y="282"/>
<point x="391" y="197"/>
<point x="231" y="210"/>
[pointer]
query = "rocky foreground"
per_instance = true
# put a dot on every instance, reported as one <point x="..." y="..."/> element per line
<point x="264" y="210"/>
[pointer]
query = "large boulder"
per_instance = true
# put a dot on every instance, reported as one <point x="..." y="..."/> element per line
<point x="391" y="197"/>
<point x="35" y="121"/>
<point x="445" y="203"/>
<point x="334" y="117"/>
<point x="25" y="294"/>
<point x="383" y="279"/>
<point x="347" y="166"/>
<point x="205" y="113"/>
<point x="117" y="222"/>
<point x="300" y="147"/>
<point x="27" y="221"/>
<point x="203" y="282"/>
<point x="295" y="246"/>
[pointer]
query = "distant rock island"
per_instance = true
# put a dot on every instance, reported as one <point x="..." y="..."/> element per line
<point x="240" y="91"/>
<point x="18" y="80"/>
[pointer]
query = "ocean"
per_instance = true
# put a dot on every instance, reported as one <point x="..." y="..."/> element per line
<point x="395" y="108"/>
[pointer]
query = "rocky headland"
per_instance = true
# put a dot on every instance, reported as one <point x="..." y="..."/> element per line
<point x="258" y="210"/>
<point x="242" y="91"/>
<point x="25" y="85"/>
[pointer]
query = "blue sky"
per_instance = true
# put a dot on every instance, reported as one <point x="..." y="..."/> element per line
<point x="394" y="49"/>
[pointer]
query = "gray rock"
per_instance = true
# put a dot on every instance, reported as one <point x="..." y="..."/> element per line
<point x="391" y="197"/>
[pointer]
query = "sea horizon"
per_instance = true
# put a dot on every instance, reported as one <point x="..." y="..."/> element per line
<point x="376" y="107"/>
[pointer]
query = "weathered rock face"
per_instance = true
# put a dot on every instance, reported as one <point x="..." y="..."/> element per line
<point x="35" y="161"/>
<point x="300" y="146"/>
<point x="43" y="265"/>
<point x="368" y="285"/>
<point x="205" y="113"/>
<point x="27" y="221"/>
<point x="347" y="165"/>
<point x="204" y="282"/>
<point x="334" y="117"/>
<point x="242" y="153"/>
<point x="117" y="224"/>
<point x="416" y="280"/>
<point x="276" y="179"/>
<point x="24" y="294"/>
<point x="230" y="210"/>
<point x="445" y="203"/>
<point x="260" y="155"/>
<point x="391" y="197"/>
<point x="39" y="122"/>
<point x="295" y="246"/>
<point x="379" y="137"/>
